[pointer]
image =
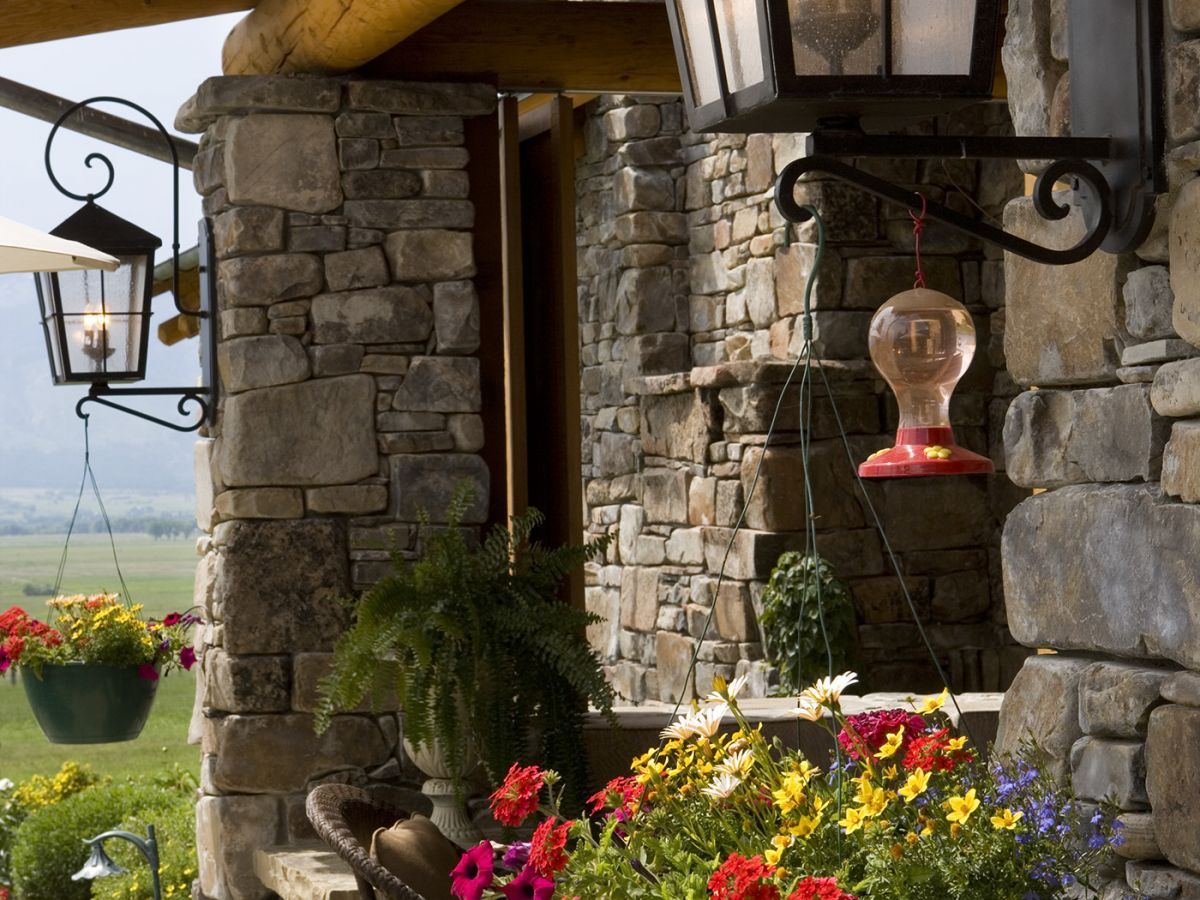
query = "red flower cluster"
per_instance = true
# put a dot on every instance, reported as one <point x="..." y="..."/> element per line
<point x="739" y="878"/>
<point x="819" y="889"/>
<point x="15" y="629"/>
<point x="932" y="752"/>
<point x="517" y="799"/>
<point x="547" y="851"/>
<point x="621" y="795"/>
<point x="872" y="729"/>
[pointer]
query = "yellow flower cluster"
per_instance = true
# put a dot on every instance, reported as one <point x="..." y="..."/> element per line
<point x="41" y="790"/>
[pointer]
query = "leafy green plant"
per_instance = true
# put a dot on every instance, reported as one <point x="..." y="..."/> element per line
<point x="804" y="607"/>
<point x="17" y="801"/>
<point x="474" y="642"/>
<point x="175" y="831"/>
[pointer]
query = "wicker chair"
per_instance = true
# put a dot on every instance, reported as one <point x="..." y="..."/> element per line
<point x="345" y="817"/>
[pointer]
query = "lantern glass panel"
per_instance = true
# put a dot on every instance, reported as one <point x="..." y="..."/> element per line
<point x="837" y="37"/>
<point x="741" y="43"/>
<point x="101" y="324"/>
<point x="701" y="55"/>
<point x="932" y="37"/>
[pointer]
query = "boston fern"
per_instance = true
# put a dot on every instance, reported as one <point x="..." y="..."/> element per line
<point x="477" y="646"/>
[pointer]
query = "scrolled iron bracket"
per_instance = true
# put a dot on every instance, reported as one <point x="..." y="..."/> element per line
<point x="188" y="397"/>
<point x="1078" y="171"/>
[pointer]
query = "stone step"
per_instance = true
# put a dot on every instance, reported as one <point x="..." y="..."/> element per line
<point x="305" y="871"/>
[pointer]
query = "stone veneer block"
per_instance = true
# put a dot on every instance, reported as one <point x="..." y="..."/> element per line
<point x="456" y="317"/>
<point x="1056" y="438"/>
<point x="673" y="653"/>
<point x="410" y="214"/>
<point x="281" y="753"/>
<point x="1029" y="65"/>
<point x="1104" y="568"/>
<point x="424" y="483"/>
<point x="1181" y="462"/>
<point x="1042" y="705"/>
<point x="1185" y="260"/>
<point x="228" y="831"/>
<point x="263" y="280"/>
<point x="440" y="384"/>
<point x="1176" y="390"/>
<point x="307" y="671"/>
<point x="246" y="684"/>
<point x="386" y="315"/>
<point x="355" y="269"/>
<point x="257" y="362"/>
<point x="1153" y="352"/>
<point x="280" y="584"/>
<point x="793" y="264"/>
<point x="1062" y="325"/>
<point x="1173" y="782"/>
<point x="288" y="161"/>
<point x="775" y="506"/>
<point x="248" y="229"/>
<point x="206" y="489"/>
<point x="1185" y="15"/>
<point x="422" y="98"/>
<point x="1109" y="770"/>
<point x="314" y="433"/>
<point x="645" y="301"/>
<point x="1148" y="303"/>
<point x="678" y="426"/>
<point x="347" y="499"/>
<point x="1155" y="881"/>
<point x="1183" y="93"/>
<point x="243" y="94"/>
<point x="1115" y="699"/>
<point x="260" y="503"/>
<point x="1182" y="688"/>
<point x="430" y="255"/>
<point x="1137" y="829"/>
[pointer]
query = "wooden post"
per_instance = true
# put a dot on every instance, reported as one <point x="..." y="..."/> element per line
<point x="517" y="475"/>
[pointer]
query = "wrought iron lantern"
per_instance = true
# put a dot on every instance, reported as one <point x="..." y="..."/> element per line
<point x="97" y="323"/>
<point x="776" y="65"/>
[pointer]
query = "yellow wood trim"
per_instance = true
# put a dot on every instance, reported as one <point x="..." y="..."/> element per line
<point x="516" y="434"/>
<point x="34" y="21"/>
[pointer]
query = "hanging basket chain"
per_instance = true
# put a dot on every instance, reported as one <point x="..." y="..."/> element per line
<point x="89" y="477"/>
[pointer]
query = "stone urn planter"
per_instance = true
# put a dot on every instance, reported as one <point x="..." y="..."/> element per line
<point x="81" y="703"/>
<point x="449" y="808"/>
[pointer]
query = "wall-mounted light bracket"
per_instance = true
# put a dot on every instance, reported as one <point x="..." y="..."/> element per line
<point x="1115" y="167"/>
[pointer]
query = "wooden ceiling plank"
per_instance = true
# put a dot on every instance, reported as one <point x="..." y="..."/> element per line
<point x="525" y="45"/>
<point x="34" y="21"/>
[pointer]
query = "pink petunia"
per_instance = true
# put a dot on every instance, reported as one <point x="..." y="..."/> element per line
<point x="473" y="874"/>
<point x="147" y="672"/>
<point x="171" y="619"/>
<point x="187" y="657"/>
<point x="529" y="885"/>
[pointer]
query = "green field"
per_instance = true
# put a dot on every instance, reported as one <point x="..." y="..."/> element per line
<point x="159" y="575"/>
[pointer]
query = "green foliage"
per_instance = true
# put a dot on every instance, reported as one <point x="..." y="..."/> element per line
<point x="17" y="801"/>
<point x="474" y="641"/>
<point x="49" y="844"/>
<point x="803" y="604"/>
<point x="175" y="830"/>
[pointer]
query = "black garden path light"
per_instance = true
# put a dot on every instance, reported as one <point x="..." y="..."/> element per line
<point x="97" y="323"/>
<point x="100" y="865"/>
<point x="850" y="71"/>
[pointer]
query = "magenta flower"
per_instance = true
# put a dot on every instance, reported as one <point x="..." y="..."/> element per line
<point x="171" y="619"/>
<point x="529" y="885"/>
<point x="187" y="657"/>
<point x="516" y="855"/>
<point x="5" y="662"/>
<point x="147" y="672"/>
<point x="473" y="874"/>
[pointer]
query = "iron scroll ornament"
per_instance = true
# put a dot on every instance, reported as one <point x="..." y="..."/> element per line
<point x="1083" y="174"/>
<point x="191" y="399"/>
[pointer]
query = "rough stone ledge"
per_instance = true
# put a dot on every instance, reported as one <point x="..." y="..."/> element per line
<point x="305" y="871"/>
<point x="733" y="374"/>
<point x="224" y="95"/>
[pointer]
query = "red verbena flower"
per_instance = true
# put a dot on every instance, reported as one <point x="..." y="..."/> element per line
<point x="872" y="729"/>
<point x="547" y="853"/>
<point x="529" y="885"/>
<point x="517" y="799"/>
<point x="819" y="889"/>
<point x="739" y="878"/>
<point x="473" y="874"/>
<point x="622" y="795"/>
<point x="932" y="752"/>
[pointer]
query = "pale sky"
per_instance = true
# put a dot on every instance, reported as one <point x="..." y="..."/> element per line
<point x="158" y="68"/>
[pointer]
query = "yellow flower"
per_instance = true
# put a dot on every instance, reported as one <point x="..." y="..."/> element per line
<point x="779" y="844"/>
<point x="917" y="782"/>
<point x="956" y="743"/>
<point x="806" y="825"/>
<point x="790" y="794"/>
<point x="891" y="772"/>
<point x="911" y="837"/>
<point x="897" y="851"/>
<point x="853" y="821"/>
<point x="891" y="745"/>
<point x="1007" y="820"/>
<point x="962" y="807"/>
<point x="933" y="704"/>
<point x="876" y="803"/>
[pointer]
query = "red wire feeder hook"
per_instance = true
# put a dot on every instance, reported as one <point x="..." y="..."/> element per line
<point x="918" y="227"/>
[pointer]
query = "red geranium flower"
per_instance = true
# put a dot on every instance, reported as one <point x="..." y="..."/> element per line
<point x="473" y="874"/>
<point x="932" y="752"/>
<point x="622" y="795"/>
<point x="517" y="799"/>
<point x="546" y="853"/>
<point x="739" y="878"/>
<point x="819" y="889"/>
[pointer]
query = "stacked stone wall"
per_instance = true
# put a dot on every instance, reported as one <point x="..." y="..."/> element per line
<point x="348" y="322"/>
<point x="690" y="292"/>
<point x="1102" y="566"/>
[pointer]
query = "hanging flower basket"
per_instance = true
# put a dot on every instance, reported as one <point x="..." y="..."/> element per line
<point x="84" y="703"/>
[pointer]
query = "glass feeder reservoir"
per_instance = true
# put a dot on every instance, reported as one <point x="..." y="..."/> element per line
<point x="922" y="342"/>
<point x="97" y="323"/>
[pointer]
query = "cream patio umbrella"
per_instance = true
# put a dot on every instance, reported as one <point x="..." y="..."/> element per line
<point x="25" y="249"/>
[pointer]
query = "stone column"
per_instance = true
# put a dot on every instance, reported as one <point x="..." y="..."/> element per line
<point x="348" y="323"/>
<point x="1102" y="566"/>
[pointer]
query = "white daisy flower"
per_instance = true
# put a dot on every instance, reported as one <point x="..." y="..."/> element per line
<point x="737" y="763"/>
<point x="707" y="722"/>
<point x="731" y="692"/>
<point x="807" y="708"/>
<point x="829" y="690"/>
<point x="680" y="730"/>
<point x="722" y="786"/>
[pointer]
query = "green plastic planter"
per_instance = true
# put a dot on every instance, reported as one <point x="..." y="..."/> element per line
<point x="80" y="703"/>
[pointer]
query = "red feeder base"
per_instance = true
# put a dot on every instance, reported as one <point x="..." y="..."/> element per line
<point x="925" y="451"/>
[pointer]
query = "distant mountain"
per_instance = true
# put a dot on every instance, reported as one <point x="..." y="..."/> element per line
<point x="41" y="439"/>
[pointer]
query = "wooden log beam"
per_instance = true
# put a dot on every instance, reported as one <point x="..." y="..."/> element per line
<point x="33" y="21"/>
<point x="525" y="45"/>
<point x="323" y="35"/>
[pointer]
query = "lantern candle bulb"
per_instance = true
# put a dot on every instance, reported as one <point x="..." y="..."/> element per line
<point x="95" y="334"/>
